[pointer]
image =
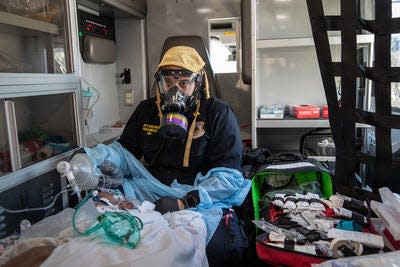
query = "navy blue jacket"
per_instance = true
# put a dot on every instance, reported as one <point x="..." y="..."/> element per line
<point x="219" y="146"/>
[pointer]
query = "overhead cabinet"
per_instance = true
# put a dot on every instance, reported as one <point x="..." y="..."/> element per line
<point x="34" y="37"/>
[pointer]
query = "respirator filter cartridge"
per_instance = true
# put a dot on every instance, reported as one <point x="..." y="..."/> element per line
<point x="174" y="126"/>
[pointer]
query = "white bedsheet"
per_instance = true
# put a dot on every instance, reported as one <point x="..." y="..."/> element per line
<point x="174" y="239"/>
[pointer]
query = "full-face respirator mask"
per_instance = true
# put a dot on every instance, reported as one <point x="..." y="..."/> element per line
<point x="178" y="95"/>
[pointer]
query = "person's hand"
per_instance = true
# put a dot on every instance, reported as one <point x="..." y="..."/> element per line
<point x="166" y="204"/>
<point x="169" y="204"/>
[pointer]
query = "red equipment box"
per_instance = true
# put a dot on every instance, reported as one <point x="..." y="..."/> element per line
<point x="325" y="113"/>
<point x="305" y="111"/>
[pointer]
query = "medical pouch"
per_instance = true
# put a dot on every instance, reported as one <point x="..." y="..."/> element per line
<point x="318" y="144"/>
<point x="288" y="173"/>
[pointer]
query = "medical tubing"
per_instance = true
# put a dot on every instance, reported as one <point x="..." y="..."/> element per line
<point x="97" y="97"/>
<point x="36" y="209"/>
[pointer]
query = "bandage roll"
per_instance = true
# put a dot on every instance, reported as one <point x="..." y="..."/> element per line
<point x="316" y="204"/>
<point x="338" y="244"/>
<point x="315" y="200"/>
<point x="302" y="201"/>
<point x="355" y="216"/>
<point x="350" y="203"/>
<point x="353" y="203"/>
<point x="290" y="203"/>
<point x="337" y="202"/>
<point x="44" y="152"/>
<point x="279" y="200"/>
<point x="359" y="218"/>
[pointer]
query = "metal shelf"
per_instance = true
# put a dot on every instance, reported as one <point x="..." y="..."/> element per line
<point x="308" y="41"/>
<point x="28" y="23"/>
<point x="291" y="122"/>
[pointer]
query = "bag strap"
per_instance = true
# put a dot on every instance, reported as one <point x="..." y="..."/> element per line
<point x="285" y="157"/>
<point x="294" y="164"/>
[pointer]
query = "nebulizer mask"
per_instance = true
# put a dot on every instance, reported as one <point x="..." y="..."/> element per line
<point x="178" y="96"/>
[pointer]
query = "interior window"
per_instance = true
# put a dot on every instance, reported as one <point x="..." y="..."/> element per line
<point x="224" y="44"/>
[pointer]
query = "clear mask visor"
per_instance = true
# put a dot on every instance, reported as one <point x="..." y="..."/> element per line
<point x="182" y="79"/>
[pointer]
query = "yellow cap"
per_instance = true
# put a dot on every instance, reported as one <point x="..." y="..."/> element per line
<point x="183" y="56"/>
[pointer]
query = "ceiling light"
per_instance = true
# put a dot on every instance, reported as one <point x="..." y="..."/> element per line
<point x="204" y="10"/>
<point x="88" y="10"/>
<point x="281" y="17"/>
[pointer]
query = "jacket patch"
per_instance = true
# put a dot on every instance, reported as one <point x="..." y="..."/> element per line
<point x="149" y="129"/>
<point x="199" y="130"/>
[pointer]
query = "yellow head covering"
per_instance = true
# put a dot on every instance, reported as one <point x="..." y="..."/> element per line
<point x="183" y="56"/>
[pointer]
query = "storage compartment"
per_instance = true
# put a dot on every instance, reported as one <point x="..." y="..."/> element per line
<point x="38" y="192"/>
<point x="38" y="127"/>
<point x="34" y="37"/>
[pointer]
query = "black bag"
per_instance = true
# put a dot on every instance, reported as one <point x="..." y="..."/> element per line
<point x="228" y="245"/>
<point x="318" y="144"/>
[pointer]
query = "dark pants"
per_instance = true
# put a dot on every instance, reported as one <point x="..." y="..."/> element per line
<point x="229" y="242"/>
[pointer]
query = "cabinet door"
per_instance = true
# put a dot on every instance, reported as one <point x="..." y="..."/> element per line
<point x="38" y="127"/>
<point x="5" y="162"/>
<point x="287" y="18"/>
<point x="34" y="37"/>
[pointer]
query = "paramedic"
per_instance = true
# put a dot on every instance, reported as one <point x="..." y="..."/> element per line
<point x="182" y="131"/>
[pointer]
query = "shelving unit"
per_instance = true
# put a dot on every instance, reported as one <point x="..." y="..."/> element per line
<point x="28" y="23"/>
<point x="285" y="66"/>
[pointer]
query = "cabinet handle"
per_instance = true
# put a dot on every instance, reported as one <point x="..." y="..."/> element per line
<point x="77" y="118"/>
<point x="12" y="133"/>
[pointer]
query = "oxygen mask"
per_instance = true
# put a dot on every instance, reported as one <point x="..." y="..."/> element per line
<point x="119" y="226"/>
